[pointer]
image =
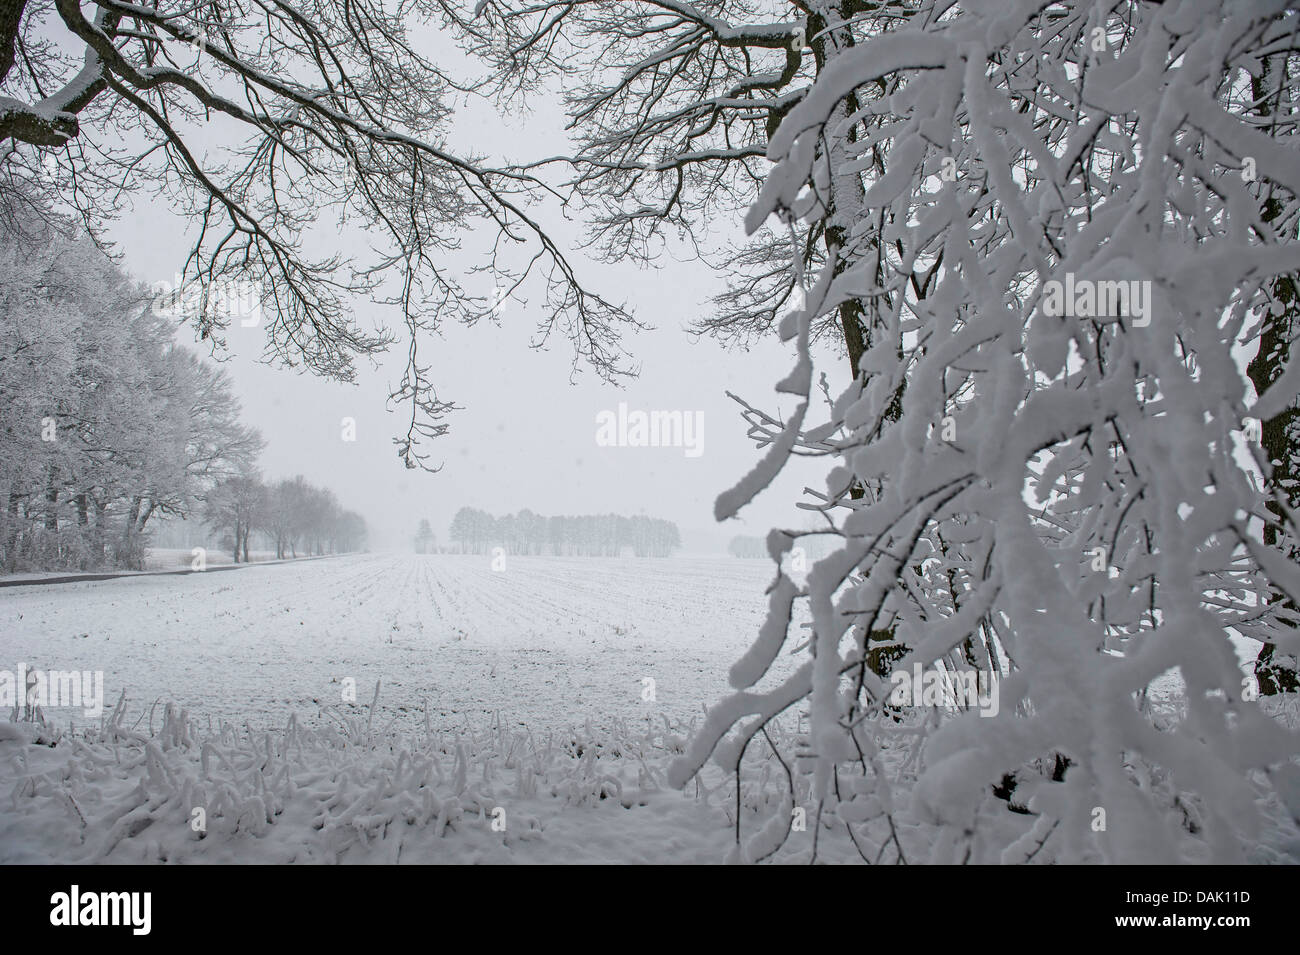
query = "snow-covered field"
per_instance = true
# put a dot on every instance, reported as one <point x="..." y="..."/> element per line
<point x="523" y="689"/>
<point x="515" y="721"/>
<point x="547" y="642"/>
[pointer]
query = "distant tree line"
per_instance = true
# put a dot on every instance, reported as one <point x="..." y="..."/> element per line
<point x="593" y="535"/>
<point x="298" y="518"/>
<point x="814" y="547"/>
<point x="747" y="547"/>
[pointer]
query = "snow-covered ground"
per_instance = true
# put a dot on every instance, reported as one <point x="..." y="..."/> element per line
<point x="157" y="560"/>
<point x="515" y="720"/>
<point x="534" y="678"/>
<point x="546" y="642"/>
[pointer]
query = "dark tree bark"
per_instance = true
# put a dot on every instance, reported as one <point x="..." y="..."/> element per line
<point x="11" y="15"/>
<point x="1278" y="435"/>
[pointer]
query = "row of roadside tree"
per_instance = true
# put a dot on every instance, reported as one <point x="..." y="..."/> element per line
<point x="296" y="517"/>
<point x="109" y="425"/>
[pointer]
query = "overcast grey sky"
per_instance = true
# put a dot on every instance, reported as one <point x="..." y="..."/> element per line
<point x="526" y="436"/>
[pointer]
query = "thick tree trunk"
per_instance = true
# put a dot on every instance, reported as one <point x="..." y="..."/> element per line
<point x="144" y="517"/>
<point x="11" y="532"/>
<point x="83" y="528"/>
<point x="845" y="209"/>
<point x="1280" y="436"/>
<point x="52" y="501"/>
<point x="11" y="15"/>
<point x="99" y="533"/>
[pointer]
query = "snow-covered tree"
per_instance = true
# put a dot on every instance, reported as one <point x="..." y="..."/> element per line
<point x="257" y="121"/>
<point x="1040" y="473"/>
<point x="672" y="104"/>
<point x="350" y="532"/>
<point x="424" y="537"/>
<point x="106" y="422"/>
<point x="297" y="515"/>
<point x="237" y="506"/>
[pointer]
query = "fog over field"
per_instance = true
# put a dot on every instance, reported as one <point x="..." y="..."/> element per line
<point x="526" y="436"/>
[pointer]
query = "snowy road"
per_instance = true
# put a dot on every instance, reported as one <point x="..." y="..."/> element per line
<point x="547" y="642"/>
